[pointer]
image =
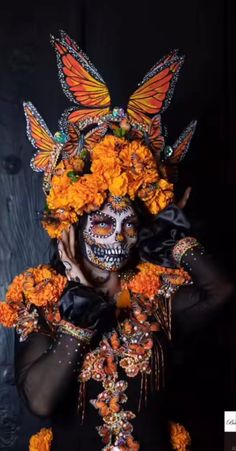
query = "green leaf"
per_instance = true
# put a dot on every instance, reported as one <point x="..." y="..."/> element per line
<point x="120" y="132"/>
<point x="83" y="154"/>
<point x="73" y="176"/>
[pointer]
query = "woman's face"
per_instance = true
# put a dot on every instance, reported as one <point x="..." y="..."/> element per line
<point x="110" y="234"/>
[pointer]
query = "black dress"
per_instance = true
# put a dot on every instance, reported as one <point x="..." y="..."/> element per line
<point x="47" y="378"/>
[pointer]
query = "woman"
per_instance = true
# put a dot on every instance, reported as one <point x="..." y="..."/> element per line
<point x="94" y="355"/>
<point x="47" y="368"/>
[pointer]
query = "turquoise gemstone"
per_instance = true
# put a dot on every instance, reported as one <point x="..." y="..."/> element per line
<point x="60" y="137"/>
<point x="118" y="112"/>
<point x="115" y="112"/>
<point x="168" y="151"/>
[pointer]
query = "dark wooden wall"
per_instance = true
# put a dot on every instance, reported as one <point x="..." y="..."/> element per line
<point x="123" y="39"/>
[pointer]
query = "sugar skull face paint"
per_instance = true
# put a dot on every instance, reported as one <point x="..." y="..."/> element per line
<point x="110" y="233"/>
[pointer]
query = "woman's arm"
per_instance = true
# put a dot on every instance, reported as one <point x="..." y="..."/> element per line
<point x="45" y="369"/>
<point x="46" y="366"/>
<point x="194" y="306"/>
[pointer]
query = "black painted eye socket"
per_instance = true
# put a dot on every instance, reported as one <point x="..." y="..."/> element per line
<point x="131" y="224"/>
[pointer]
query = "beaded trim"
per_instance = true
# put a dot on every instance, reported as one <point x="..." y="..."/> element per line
<point x="135" y="348"/>
<point x="84" y="335"/>
<point x="181" y="247"/>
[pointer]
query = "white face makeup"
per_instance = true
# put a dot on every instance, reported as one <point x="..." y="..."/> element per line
<point x="110" y="233"/>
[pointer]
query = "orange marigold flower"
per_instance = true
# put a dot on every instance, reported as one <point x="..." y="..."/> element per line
<point x="41" y="441"/>
<point x="8" y="315"/>
<point x="58" y="220"/>
<point x="14" y="292"/>
<point x="105" y="161"/>
<point x="147" y="281"/>
<point x="180" y="437"/>
<point x="119" y="167"/>
<point x="72" y="164"/>
<point x="158" y="197"/>
<point x="43" y="286"/>
<point x="58" y="195"/>
<point x="140" y="166"/>
<point x="40" y="286"/>
<point x="55" y="230"/>
<point x="137" y="158"/>
<point x="87" y="190"/>
<point x="119" y="185"/>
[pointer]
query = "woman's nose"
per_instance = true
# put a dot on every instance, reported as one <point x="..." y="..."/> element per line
<point x="119" y="236"/>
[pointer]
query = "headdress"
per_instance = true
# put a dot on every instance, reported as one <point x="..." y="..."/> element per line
<point x="99" y="150"/>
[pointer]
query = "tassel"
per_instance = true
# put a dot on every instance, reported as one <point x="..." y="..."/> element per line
<point x="81" y="401"/>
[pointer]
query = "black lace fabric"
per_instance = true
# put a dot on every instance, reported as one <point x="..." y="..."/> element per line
<point x="47" y="368"/>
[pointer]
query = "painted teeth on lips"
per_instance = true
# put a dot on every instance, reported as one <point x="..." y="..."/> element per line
<point x="115" y="252"/>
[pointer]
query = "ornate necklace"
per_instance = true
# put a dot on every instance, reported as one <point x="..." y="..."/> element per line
<point x="147" y="297"/>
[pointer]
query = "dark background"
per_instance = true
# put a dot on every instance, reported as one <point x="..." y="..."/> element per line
<point x="124" y="39"/>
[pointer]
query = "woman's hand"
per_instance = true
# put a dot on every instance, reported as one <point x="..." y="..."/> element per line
<point x="80" y="304"/>
<point x="184" y="199"/>
<point x="66" y="250"/>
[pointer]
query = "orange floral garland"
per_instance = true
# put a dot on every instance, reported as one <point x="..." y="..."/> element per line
<point x="179" y="437"/>
<point x="41" y="441"/>
<point x="147" y="281"/>
<point x="119" y="167"/>
<point x="37" y="287"/>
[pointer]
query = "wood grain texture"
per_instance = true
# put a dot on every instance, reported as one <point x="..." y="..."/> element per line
<point x="123" y="41"/>
<point x="28" y="71"/>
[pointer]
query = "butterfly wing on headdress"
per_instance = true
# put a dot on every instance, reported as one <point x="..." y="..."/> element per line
<point x="80" y="81"/>
<point x="72" y="146"/>
<point x="66" y="39"/>
<point x="41" y="138"/>
<point x="155" y="136"/>
<point x="155" y="91"/>
<point x="181" y="145"/>
<point x="94" y="136"/>
<point x="172" y="54"/>
<point x="178" y="151"/>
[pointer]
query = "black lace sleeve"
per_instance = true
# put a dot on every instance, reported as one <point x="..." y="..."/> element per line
<point x="196" y="305"/>
<point x="45" y="368"/>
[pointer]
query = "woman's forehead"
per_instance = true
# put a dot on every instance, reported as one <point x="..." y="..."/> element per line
<point x="121" y="213"/>
<point x="114" y="210"/>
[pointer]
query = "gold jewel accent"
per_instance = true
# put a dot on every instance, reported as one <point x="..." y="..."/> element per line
<point x="79" y="333"/>
<point x="183" y="246"/>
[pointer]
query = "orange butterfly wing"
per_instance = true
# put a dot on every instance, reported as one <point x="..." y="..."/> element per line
<point x="94" y="136"/>
<point x="180" y="148"/>
<point x="155" y="136"/>
<point x="182" y="144"/>
<point x="65" y="38"/>
<point x="71" y="147"/>
<point x="40" y="137"/>
<point x="75" y="116"/>
<point x="155" y="91"/>
<point x="80" y="81"/>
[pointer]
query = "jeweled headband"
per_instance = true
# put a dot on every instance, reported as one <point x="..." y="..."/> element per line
<point x="99" y="150"/>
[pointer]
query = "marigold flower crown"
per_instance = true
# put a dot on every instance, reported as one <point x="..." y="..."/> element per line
<point x="100" y="151"/>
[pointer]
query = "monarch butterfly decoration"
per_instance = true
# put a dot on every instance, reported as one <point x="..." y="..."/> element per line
<point x="171" y="156"/>
<point x="84" y="125"/>
<point x="48" y="147"/>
